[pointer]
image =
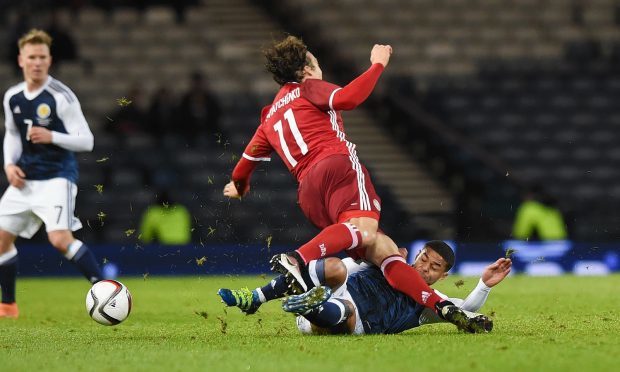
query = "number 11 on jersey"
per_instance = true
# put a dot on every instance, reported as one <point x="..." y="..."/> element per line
<point x="292" y="124"/>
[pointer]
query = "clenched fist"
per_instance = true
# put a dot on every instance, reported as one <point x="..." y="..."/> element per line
<point x="380" y="54"/>
<point x="230" y="190"/>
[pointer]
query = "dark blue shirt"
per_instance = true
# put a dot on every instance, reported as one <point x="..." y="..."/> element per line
<point x="381" y="308"/>
<point x="50" y="108"/>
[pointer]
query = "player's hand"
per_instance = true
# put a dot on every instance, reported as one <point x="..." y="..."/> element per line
<point x="15" y="175"/>
<point x="40" y="135"/>
<point x="230" y="190"/>
<point x="380" y="54"/>
<point x="496" y="272"/>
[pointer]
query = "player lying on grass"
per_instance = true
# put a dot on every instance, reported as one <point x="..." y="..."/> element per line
<point x="356" y="298"/>
<point x="362" y="302"/>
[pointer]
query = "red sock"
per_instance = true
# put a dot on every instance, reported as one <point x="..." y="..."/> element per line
<point x="333" y="239"/>
<point x="407" y="280"/>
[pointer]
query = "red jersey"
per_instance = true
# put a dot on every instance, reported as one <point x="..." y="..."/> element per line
<point x="303" y="125"/>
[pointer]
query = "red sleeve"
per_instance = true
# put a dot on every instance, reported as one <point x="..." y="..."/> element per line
<point x="318" y="92"/>
<point x="256" y="151"/>
<point x="358" y="90"/>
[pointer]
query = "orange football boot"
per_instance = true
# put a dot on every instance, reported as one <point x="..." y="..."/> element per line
<point x="9" y="310"/>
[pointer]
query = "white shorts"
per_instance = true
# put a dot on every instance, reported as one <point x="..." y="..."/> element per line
<point x="22" y="211"/>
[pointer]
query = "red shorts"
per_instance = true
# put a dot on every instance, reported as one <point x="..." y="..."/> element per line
<point x="337" y="189"/>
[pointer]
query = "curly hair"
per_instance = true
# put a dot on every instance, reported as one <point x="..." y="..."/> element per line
<point x="286" y="60"/>
<point x="35" y="36"/>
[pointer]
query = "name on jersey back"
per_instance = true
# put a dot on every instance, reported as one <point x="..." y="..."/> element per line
<point x="288" y="98"/>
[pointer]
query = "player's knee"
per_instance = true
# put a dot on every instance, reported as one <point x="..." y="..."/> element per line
<point x="368" y="229"/>
<point x="383" y="249"/>
<point x="56" y="242"/>
<point x="335" y="272"/>
<point x="369" y="238"/>
<point x="60" y="241"/>
<point x="6" y="241"/>
<point x="346" y="325"/>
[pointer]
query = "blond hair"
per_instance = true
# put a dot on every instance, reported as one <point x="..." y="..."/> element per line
<point x="35" y="36"/>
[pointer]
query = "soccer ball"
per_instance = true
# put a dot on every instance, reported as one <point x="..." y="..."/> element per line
<point x="108" y="302"/>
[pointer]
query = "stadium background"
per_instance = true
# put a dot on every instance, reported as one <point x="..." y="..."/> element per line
<point x="481" y="100"/>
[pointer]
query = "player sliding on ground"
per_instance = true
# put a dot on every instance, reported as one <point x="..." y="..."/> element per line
<point x="304" y="127"/>
<point x="353" y="298"/>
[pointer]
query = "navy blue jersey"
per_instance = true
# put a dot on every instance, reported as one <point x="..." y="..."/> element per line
<point x="381" y="308"/>
<point x="54" y="107"/>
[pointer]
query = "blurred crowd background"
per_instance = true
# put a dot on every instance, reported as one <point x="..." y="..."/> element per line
<point x="485" y="105"/>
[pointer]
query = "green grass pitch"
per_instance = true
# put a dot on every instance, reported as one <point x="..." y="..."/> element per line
<point x="178" y="324"/>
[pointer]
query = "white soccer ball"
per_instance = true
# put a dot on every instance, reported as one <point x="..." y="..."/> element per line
<point x="108" y="302"/>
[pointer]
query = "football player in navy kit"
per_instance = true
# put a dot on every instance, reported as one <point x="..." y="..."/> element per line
<point x="358" y="300"/>
<point x="44" y="126"/>
<point x="351" y="297"/>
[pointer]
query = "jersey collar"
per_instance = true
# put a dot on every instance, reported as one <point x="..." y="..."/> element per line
<point x="32" y="95"/>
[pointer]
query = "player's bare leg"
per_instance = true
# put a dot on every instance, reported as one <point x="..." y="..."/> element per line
<point x="8" y="275"/>
<point x="77" y="252"/>
<point x="368" y="229"/>
<point x="61" y="239"/>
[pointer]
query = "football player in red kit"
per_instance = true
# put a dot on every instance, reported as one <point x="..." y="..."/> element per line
<point x="303" y="125"/>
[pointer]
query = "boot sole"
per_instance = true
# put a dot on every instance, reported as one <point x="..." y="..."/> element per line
<point x="295" y="284"/>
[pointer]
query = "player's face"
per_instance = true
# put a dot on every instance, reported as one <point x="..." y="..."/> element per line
<point x="314" y="70"/>
<point x="35" y="61"/>
<point x="430" y="265"/>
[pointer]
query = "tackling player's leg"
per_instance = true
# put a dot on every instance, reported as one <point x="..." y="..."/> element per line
<point x="306" y="302"/>
<point x="329" y="271"/>
<point x="243" y="298"/>
<point x="325" y="315"/>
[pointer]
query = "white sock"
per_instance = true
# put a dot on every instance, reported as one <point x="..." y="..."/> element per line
<point x="73" y="249"/>
<point x="261" y="296"/>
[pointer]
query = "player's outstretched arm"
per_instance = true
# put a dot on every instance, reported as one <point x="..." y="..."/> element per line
<point x="380" y="54"/>
<point x="496" y="272"/>
<point x="491" y="276"/>
<point x="359" y="89"/>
